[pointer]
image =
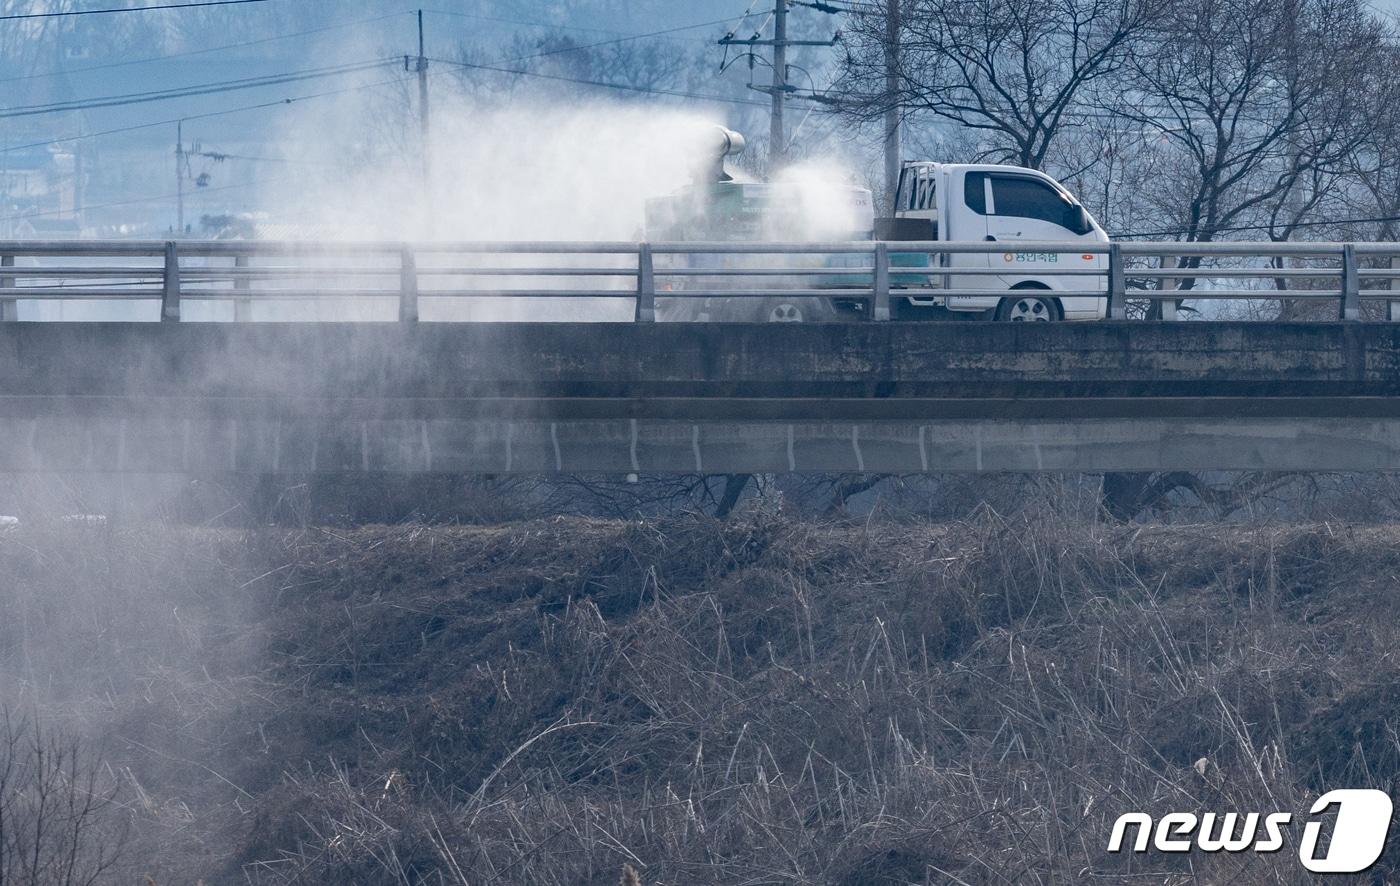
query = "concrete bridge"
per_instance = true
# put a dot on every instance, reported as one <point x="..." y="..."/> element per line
<point x="711" y="398"/>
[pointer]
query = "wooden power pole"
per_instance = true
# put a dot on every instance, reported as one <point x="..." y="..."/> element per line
<point x="779" y="89"/>
<point x="777" y="138"/>
<point x="423" y="117"/>
<point x="892" y="149"/>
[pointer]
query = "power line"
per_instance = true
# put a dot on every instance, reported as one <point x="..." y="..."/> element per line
<point x="855" y="100"/>
<point x="278" y="79"/>
<point x="164" y="197"/>
<point x="550" y="25"/>
<point x="76" y="12"/>
<point x="1241" y="228"/>
<point x="819" y="6"/>
<point x="603" y="85"/>
<point x="516" y="21"/>
<point x="584" y="46"/>
<point x="281" y="102"/>
<point x="134" y="98"/>
<point x="740" y="20"/>
<point x="221" y="156"/>
<point x="134" y="200"/>
<point x="623" y="39"/>
<point x="245" y="43"/>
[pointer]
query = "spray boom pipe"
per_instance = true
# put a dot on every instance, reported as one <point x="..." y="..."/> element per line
<point x="727" y="143"/>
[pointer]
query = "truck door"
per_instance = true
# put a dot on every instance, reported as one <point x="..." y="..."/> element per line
<point x="969" y="221"/>
<point x="1023" y="209"/>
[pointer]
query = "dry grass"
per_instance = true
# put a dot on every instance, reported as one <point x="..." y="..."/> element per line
<point x="763" y="701"/>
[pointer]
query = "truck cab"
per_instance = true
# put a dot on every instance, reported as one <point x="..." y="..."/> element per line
<point x="1011" y="205"/>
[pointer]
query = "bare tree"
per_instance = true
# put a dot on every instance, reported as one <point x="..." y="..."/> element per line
<point x="1374" y="170"/>
<point x="1014" y="70"/>
<point x="55" y="807"/>
<point x="1127" y="495"/>
<point x="1258" y="106"/>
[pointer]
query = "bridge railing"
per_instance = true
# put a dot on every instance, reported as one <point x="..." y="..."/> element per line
<point x="393" y="279"/>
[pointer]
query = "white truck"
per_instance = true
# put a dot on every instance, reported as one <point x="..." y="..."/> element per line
<point x="1017" y="208"/>
<point x="1020" y="209"/>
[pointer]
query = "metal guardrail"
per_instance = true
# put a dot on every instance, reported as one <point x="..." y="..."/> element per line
<point x="178" y="272"/>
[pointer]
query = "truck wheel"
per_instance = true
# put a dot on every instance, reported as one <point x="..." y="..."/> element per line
<point x="782" y="312"/>
<point x="1026" y="307"/>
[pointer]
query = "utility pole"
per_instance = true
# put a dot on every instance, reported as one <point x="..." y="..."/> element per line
<point x="78" y="176"/>
<point x="892" y="151"/>
<point x="422" y="68"/>
<point x="419" y="65"/>
<point x="179" y="178"/>
<point x="5" y="184"/>
<point x="777" y="139"/>
<point x="779" y="89"/>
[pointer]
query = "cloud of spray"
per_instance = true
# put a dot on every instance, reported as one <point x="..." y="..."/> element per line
<point x="533" y="170"/>
<point x="527" y="167"/>
<point x="826" y="205"/>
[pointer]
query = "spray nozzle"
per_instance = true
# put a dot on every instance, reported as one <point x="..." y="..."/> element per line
<point x="726" y="143"/>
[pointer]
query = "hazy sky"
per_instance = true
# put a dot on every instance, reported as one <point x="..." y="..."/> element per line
<point x="86" y="58"/>
<point x="76" y="58"/>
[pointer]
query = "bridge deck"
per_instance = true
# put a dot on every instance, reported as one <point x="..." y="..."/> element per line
<point x="688" y="397"/>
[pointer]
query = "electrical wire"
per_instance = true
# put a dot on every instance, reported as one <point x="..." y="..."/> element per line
<point x="831" y="82"/>
<point x="625" y="39"/>
<point x="729" y="35"/>
<point x="1242" y="228"/>
<point x="601" y="84"/>
<point x="278" y="79"/>
<point x="163" y="197"/>
<point x="135" y="200"/>
<point x="221" y="156"/>
<point x="516" y="21"/>
<point x="135" y="98"/>
<point x="193" y="52"/>
<point x="281" y="102"/>
<point x="112" y="9"/>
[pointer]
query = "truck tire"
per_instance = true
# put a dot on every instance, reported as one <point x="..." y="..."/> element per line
<point x="785" y="312"/>
<point x="1029" y="306"/>
<point x="793" y="310"/>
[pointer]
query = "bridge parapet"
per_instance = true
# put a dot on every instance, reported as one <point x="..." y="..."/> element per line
<point x="628" y="398"/>
<point x="403" y="363"/>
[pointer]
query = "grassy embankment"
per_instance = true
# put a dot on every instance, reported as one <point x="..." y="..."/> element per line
<point x="762" y="701"/>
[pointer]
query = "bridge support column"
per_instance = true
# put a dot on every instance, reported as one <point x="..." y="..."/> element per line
<point x="1351" y="285"/>
<point x="408" y="287"/>
<point x="646" y="285"/>
<point x="170" y="292"/>
<point x="242" y="307"/>
<point x="1117" y="284"/>
<point x="9" y="307"/>
<point x="1393" y="306"/>
<point x="1166" y="308"/>
<point x="880" y="310"/>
